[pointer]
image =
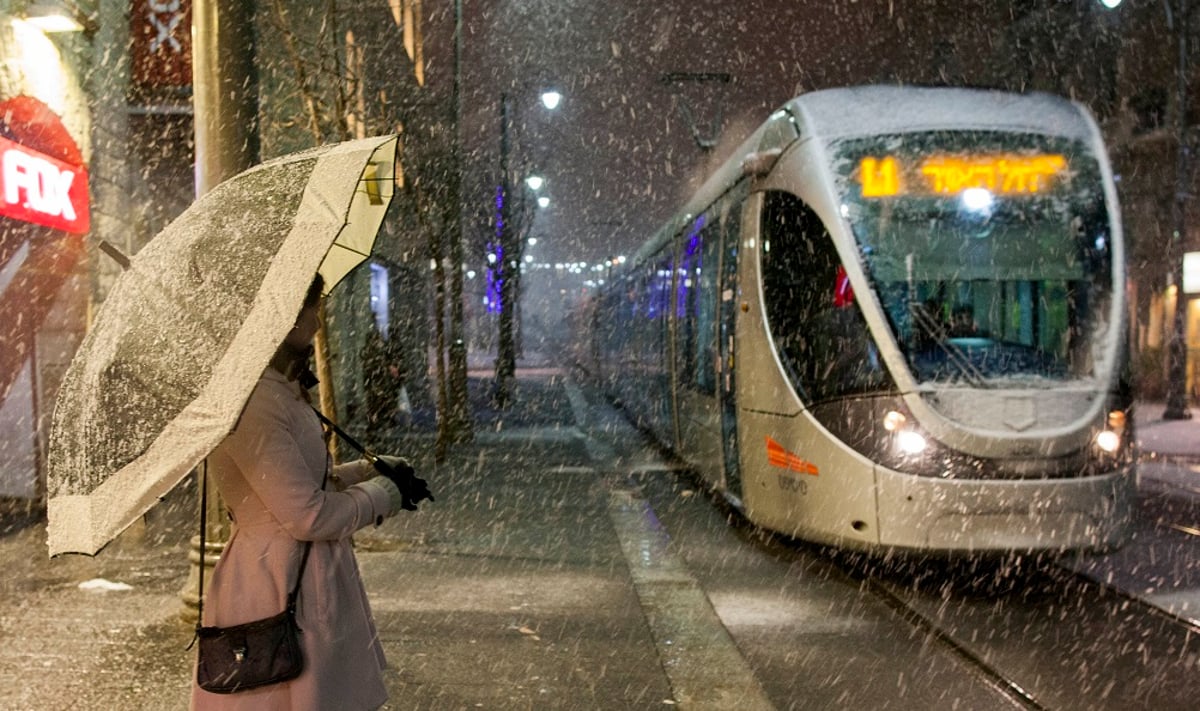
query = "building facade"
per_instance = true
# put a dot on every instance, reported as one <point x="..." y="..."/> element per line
<point x="105" y="96"/>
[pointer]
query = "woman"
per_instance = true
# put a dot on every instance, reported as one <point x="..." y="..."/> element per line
<point x="269" y="471"/>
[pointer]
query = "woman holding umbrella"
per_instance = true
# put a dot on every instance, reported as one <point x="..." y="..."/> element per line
<point x="270" y="471"/>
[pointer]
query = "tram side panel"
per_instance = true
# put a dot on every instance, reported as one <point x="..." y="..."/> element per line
<point x="696" y="362"/>
<point x="632" y="327"/>
<point x="797" y="478"/>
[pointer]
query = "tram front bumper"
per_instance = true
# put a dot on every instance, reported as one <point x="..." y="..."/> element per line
<point x="995" y="516"/>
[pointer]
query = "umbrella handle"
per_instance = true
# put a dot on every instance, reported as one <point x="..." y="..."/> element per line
<point x="117" y="255"/>
<point x="367" y="454"/>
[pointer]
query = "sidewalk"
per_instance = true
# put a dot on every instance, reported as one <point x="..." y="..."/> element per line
<point x="1170" y="449"/>
<point x="511" y="591"/>
<point x="1167" y="438"/>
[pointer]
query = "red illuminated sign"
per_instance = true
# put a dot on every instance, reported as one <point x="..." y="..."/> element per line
<point x="37" y="188"/>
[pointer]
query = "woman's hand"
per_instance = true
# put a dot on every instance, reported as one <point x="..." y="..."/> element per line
<point x="413" y="489"/>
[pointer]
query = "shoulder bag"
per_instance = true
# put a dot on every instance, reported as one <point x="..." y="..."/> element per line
<point x="253" y="654"/>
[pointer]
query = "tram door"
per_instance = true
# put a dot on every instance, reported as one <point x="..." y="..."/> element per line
<point x="727" y="328"/>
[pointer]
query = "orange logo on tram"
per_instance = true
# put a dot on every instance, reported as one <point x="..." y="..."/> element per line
<point x="777" y="456"/>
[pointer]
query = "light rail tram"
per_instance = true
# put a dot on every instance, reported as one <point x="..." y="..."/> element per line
<point x="894" y="320"/>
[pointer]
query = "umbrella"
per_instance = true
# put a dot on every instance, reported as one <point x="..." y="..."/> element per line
<point x="185" y="332"/>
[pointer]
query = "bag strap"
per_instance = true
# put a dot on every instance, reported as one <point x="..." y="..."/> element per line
<point x="295" y="592"/>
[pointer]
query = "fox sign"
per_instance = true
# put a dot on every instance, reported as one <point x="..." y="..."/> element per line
<point x="37" y="188"/>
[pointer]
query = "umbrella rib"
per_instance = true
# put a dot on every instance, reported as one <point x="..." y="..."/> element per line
<point x="359" y="252"/>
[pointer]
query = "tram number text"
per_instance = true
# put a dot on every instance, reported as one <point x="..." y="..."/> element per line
<point x="793" y="485"/>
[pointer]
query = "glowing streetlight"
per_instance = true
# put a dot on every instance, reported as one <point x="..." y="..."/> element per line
<point x="535" y="182"/>
<point x="551" y="99"/>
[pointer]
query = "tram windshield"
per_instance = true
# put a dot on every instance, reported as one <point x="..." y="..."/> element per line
<point x="990" y="252"/>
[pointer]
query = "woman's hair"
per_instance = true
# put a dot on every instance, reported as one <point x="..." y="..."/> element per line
<point x="313" y="297"/>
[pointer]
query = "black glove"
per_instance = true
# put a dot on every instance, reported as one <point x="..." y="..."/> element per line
<point x="413" y="489"/>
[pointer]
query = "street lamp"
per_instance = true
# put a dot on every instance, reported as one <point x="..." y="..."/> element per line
<point x="507" y="267"/>
<point x="1177" y="408"/>
<point x="55" y="16"/>
<point x="551" y="99"/>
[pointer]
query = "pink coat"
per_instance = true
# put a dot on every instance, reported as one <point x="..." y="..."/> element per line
<point x="269" y="472"/>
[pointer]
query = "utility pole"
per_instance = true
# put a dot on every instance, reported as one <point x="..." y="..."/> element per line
<point x="454" y="414"/>
<point x="1177" y="406"/>
<point x="225" y="114"/>
<point x="460" y="427"/>
<point x="506" y="361"/>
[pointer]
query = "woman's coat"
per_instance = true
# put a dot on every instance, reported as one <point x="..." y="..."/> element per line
<point x="269" y="472"/>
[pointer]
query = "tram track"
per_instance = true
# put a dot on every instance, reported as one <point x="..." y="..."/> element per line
<point x="1133" y="599"/>
<point x="1112" y="639"/>
<point x="1033" y="634"/>
<point x="975" y="660"/>
<point x="987" y="673"/>
<point x="1020" y="633"/>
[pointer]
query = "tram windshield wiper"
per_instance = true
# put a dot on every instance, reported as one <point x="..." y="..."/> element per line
<point x="936" y="331"/>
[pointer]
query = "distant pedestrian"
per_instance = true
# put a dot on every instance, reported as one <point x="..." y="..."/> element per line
<point x="383" y="379"/>
<point x="269" y="471"/>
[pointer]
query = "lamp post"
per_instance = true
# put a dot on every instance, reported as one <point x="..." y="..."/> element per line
<point x="506" y="365"/>
<point x="507" y="267"/>
<point x="1177" y="408"/>
<point x="458" y="419"/>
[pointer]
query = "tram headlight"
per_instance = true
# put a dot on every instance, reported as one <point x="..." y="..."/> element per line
<point x="1108" y="441"/>
<point x="910" y="442"/>
<point x="893" y="421"/>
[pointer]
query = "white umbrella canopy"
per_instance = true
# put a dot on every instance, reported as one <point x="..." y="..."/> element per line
<point x="187" y="329"/>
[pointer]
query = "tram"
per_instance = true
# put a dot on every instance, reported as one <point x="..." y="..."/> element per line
<point x="893" y="320"/>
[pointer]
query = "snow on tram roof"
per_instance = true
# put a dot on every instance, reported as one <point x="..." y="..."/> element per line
<point x="867" y="110"/>
<point x="879" y="110"/>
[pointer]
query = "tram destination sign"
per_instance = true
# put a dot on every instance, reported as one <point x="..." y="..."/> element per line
<point x="999" y="174"/>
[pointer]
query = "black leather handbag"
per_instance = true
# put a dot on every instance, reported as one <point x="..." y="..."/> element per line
<point x="249" y="655"/>
<point x="252" y="654"/>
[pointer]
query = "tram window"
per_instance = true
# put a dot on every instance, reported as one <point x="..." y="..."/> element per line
<point x="645" y="326"/>
<point x="661" y="298"/>
<point x="690" y="254"/>
<point x="822" y="338"/>
<point x="1033" y="267"/>
<point x="696" y="304"/>
<point x="706" y="311"/>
